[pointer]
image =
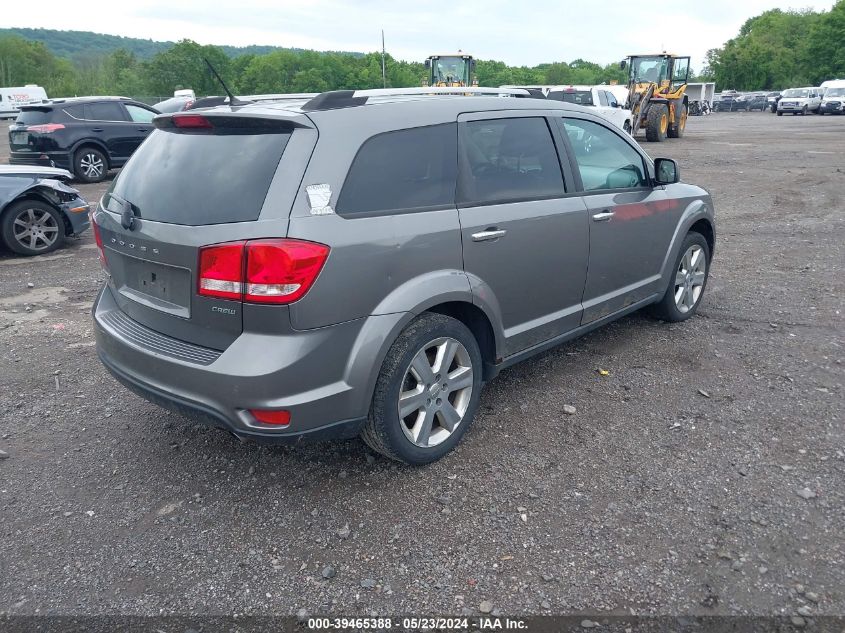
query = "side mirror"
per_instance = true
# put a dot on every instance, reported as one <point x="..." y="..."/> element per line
<point x="666" y="171"/>
<point x="428" y="63"/>
<point x="623" y="64"/>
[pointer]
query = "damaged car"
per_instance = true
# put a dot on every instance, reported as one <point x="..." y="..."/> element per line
<point x="38" y="209"/>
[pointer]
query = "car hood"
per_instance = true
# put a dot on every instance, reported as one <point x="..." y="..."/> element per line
<point x="32" y="171"/>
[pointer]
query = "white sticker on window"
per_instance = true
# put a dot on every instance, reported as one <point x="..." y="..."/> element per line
<point x="319" y="197"/>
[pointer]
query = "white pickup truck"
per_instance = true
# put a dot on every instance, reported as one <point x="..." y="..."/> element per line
<point x="599" y="97"/>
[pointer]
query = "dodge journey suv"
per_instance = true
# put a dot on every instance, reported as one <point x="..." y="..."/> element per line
<point x="360" y="263"/>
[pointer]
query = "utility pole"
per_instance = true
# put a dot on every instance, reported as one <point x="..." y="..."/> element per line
<point x="383" y="71"/>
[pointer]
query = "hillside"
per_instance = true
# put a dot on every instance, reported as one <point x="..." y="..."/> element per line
<point x="70" y="44"/>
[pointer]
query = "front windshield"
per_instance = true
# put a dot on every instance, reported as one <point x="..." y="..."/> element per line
<point x="835" y="92"/>
<point x="450" y="70"/>
<point x="796" y="92"/>
<point x="650" y="69"/>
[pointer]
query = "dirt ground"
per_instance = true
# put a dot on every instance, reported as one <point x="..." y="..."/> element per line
<point x="674" y="488"/>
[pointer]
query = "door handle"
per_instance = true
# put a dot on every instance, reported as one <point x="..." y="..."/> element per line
<point x="143" y="129"/>
<point x="96" y="129"/>
<point x="488" y="234"/>
<point x="604" y="216"/>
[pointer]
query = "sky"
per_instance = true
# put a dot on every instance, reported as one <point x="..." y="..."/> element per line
<point x="516" y="32"/>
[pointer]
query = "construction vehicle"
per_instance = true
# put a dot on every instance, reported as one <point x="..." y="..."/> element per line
<point x="657" y="94"/>
<point x="450" y="71"/>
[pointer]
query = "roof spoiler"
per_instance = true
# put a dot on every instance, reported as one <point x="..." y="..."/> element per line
<point x="335" y="99"/>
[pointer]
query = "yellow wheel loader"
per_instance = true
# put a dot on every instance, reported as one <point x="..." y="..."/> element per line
<point x="450" y="71"/>
<point x="657" y="94"/>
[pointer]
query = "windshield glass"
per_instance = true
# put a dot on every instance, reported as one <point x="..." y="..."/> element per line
<point x="450" y="70"/>
<point x="835" y="92"/>
<point x="796" y="92"/>
<point x="650" y="69"/>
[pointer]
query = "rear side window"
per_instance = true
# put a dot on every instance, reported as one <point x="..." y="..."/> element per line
<point x="196" y="179"/>
<point x="76" y="111"/>
<point x="406" y="170"/>
<point x="508" y="160"/>
<point x="34" y="117"/>
<point x="104" y="111"/>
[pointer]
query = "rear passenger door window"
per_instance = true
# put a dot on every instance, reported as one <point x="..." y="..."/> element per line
<point x="508" y="160"/>
<point x="105" y="111"/>
<point x="605" y="160"/>
<point x="403" y="171"/>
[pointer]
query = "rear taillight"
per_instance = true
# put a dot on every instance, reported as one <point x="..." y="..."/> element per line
<point x="221" y="271"/>
<point x="99" y="240"/>
<point x="282" y="271"/>
<point x="47" y="128"/>
<point x="276" y="271"/>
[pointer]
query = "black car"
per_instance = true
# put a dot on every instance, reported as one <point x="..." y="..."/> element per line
<point x="87" y="135"/>
<point x="728" y="103"/>
<point x="756" y="102"/>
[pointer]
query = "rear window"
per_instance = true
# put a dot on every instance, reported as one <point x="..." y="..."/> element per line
<point x="197" y="179"/>
<point x="581" y="97"/>
<point x="406" y="170"/>
<point x="34" y="117"/>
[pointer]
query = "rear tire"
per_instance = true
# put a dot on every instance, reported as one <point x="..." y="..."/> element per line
<point x="90" y="164"/>
<point x="434" y="368"/>
<point x="32" y="227"/>
<point x="657" y="122"/>
<point x="687" y="282"/>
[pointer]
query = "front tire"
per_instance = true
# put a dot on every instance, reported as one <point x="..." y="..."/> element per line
<point x="677" y="131"/>
<point x="427" y="391"/>
<point x="90" y="165"/>
<point x="688" y="281"/>
<point x="657" y="122"/>
<point x="32" y="227"/>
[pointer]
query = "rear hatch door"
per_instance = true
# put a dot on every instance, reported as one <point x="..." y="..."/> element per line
<point x="233" y="177"/>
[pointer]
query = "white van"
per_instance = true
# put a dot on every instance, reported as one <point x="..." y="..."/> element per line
<point x="11" y="99"/>
<point x="800" y="100"/>
<point x="833" y="100"/>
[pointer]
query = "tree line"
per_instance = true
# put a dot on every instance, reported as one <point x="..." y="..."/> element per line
<point x="782" y="49"/>
<point x="121" y="72"/>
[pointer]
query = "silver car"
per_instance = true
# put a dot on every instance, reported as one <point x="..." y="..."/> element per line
<point x="360" y="263"/>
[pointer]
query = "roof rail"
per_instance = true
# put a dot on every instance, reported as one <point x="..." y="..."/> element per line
<point x="349" y="98"/>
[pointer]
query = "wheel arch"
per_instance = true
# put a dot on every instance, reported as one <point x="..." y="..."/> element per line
<point x="91" y="142"/>
<point x="38" y="194"/>
<point x="698" y="217"/>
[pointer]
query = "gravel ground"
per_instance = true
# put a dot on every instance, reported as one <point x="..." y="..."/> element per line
<point x="704" y="475"/>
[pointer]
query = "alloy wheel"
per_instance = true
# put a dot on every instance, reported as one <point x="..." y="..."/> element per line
<point x="35" y="229"/>
<point x="91" y="165"/>
<point x="689" y="280"/>
<point x="435" y="392"/>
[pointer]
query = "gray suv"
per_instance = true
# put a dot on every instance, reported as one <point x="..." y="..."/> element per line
<point x="361" y="262"/>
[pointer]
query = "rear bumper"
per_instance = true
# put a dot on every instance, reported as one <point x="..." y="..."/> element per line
<point x="45" y="159"/>
<point x="323" y="377"/>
